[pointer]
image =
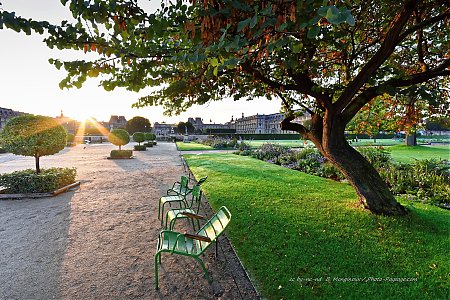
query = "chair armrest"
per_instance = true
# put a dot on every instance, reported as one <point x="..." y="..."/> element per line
<point x="198" y="237"/>
<point x="191" y="215"/>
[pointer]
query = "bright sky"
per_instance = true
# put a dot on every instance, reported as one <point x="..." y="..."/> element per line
<point x="28" y="83"/>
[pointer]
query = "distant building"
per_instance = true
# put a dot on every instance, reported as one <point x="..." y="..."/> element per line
<point x="163" y="129"/>
<point x="200" y="127"/>
<point x="264" y="124"/>
<point x="117" y="122"/>
<point x="69" y="124"/>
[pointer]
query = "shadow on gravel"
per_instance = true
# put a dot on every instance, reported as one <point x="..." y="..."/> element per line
<point x="33" y="240"/>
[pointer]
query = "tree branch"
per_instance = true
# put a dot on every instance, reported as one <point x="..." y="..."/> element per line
<point x="362" y="99"/>
<point x="286" y="124"/>
<point x="387" y="48"/>
<point x="424" y="24"/>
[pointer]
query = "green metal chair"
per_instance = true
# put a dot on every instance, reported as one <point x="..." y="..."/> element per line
<point x="182" y="187"/>
<point x="188" y="212"/>
<point x="177" y="198"/>
<point x="176" y="195"/>
<point x="192" y="245"/>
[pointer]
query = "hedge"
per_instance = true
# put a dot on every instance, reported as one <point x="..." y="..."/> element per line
<point x="28" y="181"/>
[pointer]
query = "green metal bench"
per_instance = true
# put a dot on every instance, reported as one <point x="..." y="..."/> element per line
<point x="192" y="245"/>
<point x="189" y="211"/>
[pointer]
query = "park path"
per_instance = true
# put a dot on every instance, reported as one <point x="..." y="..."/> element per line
<point x="98" y="241"/>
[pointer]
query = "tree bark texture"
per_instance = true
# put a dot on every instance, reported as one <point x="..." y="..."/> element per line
<point x="372" y="191"/>
<point x="411" y="139"/>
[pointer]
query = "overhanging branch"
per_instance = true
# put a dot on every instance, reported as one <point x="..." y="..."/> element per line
<point x="287" y="124"/>
<point x="387" y="48"/>
<point x="362" y="99"/>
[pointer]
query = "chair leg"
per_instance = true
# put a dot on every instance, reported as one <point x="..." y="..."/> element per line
<point x="157" y="257"/>
<point x="172" y="224"/>
<point x="204" y="269"/>
<point x="159" y="209"/>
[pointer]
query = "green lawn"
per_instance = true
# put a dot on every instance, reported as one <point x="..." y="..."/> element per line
<point x="302" y="237"/>
<point x="378" y="142"/>
<point x="192" y="146"/>
<point x="407" y="154"/>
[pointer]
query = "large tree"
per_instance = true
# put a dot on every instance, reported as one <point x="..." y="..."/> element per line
<point x="329" y="57"/>
<point x="138" y="124"/>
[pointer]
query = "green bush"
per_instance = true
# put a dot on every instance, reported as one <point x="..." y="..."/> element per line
<point x="379" y="157"/>
<point x="34" y="136"/>
<point x="140" y="147"/>
<point x="139" y="137"/>
<point x="2" y="150"/>
<point x="149" y="144"/>
<point x="28" y="181"/>
<point x="121" y="153"/>
<point x="220" y="143"/>
<point x="150" y="136"/>
<point x="119" y="137"/>
<point x="425" y="180"/>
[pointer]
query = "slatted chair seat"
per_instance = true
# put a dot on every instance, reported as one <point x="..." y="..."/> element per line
<point x="192" y="245"/>
<point x="174" y="199"/>
<point x="189" y="211"/>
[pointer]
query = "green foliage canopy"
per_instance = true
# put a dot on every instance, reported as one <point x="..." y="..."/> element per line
<point x="184" y="127"/>
<point x="35" y="136"/>
<point x="138" y="124"/>
<point x="150" y="136"/>
<point x="119" y="137"/>
<point x="139" y="137"/>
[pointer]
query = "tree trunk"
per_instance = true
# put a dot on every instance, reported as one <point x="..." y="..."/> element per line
<point x="38" y="169"/>
<point x="411" y="139"/>
<point x="372" y="191"/>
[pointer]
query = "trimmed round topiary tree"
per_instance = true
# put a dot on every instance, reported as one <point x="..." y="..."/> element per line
<point x="150" y="137"/>
<point x="139" y="137"/>
<point x="119" y="137"/>
<point x="35" y="136"/>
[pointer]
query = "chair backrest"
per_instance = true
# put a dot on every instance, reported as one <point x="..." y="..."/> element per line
<point x="214" y="227"/>
<point x="183" y="182"/>
<point x="196" y="197"/>
<point x="201" y="180"/>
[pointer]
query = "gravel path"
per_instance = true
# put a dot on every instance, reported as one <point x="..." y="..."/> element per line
<point x="98" y="241"/>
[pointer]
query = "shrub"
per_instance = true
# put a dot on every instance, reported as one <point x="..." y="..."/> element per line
<point x="220" y="143"/>
<point x="148" y="144"/>
<point x="140" y="147"/>
<point x="425" y="180"/>
<point x="377" y="156"/>
<point x="139" y="137"/>
<point x="150" y="136"/>
<point x="28" y="181"/>
<point x="2" y="150"/>
<point x="119" y="137"/>
<point x="270" y="152"/>
<point x="35" y="136"/>
<point x="121" y="153"/>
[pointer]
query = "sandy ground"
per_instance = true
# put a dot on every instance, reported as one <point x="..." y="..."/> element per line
<point x="98" y="241"/>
